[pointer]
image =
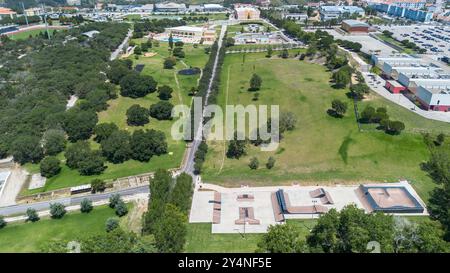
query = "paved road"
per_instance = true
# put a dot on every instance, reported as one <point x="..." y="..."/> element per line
<point x="70" y="201"/>
<point x="116" y="52"/>
<point x="189" y="165"/>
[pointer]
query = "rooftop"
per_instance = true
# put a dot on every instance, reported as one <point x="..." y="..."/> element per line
<point x="355" y="23"/>
<point x="186" y="28"/>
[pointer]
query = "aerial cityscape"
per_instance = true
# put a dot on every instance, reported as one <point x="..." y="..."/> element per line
<point x="224" y="126"/>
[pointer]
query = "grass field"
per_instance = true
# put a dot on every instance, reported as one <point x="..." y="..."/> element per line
<point x="25" y="34"/>
<point x="321" y="148"/>
<point x="201" y="240"/>
<point x="396" y="43"/>
<point x="31" y="237"/>
<point x="116" y="113"/>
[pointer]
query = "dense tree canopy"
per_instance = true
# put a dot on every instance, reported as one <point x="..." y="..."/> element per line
<point x="161" y="110"/>
<point x="116" y="148"/>
<point x="135" y="85"/>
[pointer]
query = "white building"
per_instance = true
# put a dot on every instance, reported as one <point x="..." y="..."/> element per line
<point x="246" y="13"/>
<point x="170" y="7"/>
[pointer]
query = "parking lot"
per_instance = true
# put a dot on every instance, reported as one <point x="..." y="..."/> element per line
<point x="434" y="38"/>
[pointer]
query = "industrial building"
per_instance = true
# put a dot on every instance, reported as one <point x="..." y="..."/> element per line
<point x="301" y="17"/>
<point x="422" y="82"/>
<point x="336" y="12"/>
<point x="355" y="26"/>
<point x="170" y="7"/>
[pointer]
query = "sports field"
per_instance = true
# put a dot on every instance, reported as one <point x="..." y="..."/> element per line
<point x="322" y="149"/>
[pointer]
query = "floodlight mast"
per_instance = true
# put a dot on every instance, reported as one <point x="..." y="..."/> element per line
<point x="45" y="21"/>
<point x="24" y="13"/>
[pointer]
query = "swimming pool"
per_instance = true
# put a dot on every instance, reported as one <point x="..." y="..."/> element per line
<point x="174" y="39"/>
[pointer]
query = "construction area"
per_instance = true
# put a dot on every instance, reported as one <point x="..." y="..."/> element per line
<point x="254" y="209"/>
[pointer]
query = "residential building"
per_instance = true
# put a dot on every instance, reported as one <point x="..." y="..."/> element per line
<point x="34" y="11"/>
<point x="414" y="14"/>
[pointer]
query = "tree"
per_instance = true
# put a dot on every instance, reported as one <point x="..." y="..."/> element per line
<point x="161" y="110"/>
<point x="76" y="153"/>
<point x="116" y="148"/>
<point x="255" y="82"/>
<point x="350" y="230"/>
<point x="285" y="54"/>
<point x="270" y="163"/>
<point x="341" y="78"/>
<point x="359" y="90"/>
<point x="98" y="185"/>
<point x="254" y="163"/>
<point x="114" y="200"/>
<point x="54" y="142"/>
<point x="118" y="69"/>
<point x="269" y="52"/>
<point x="367" y="114"/>
<point x="111" y="224"/>
<point x="2" y="222"/>
<point x="26" y="149"/>
<point x="440" y="139"/>
<point x="50" y="166"/>
<point x="103" y="130"/>
<point x="171" y="231"/>
<point x="160" y="185"/>
<point x="137" y="115"/>
<point x="121" y="208"/>
<point x="236" y="148"/>
<point x="288" y="121"/>
<point x="145" y="144"/>
<point x="57" y="210"/>
<point x="32" y="215"/>
<point x="169" y="62"/>
<point x="92" y="164"/>
<point x="182" y="192"/>
<point x="171" y="41"/>
<point x="229" y="41"/>
<point x="152" y="217"/>
<point x="135" y="85"/>
<point x="165" y="92"/>
<point x="79" y="125"/>
<point x="339" y="108"/>
<point x="137" y="50"/>
<point x="282" y="239"/>
<point x="392" y="127"/>
<point x="86" y="205"/>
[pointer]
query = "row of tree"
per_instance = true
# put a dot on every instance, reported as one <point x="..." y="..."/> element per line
<point x="352" y="230"/>
<point x="169" y="204"/>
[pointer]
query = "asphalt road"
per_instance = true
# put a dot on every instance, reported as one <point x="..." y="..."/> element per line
<point x="189" y="165"/>
<point x="70" y="201"/>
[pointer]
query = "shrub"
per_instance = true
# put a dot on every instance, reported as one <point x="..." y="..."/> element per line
<point x="57" y="210"/>
<point x="113" y="200"/>
<point x="162" y="110"/>
<point x="111" y="224"/>
<point x="121" y="208"/>
<point x="270" y="163"/>
<point x="254" y="163"/>
<point x="98" y="185"/>
<point x="2" y="222"/>
<point x="86" y="206"/>
<point x="32" y="215"/>
<point x="137" y="115"/>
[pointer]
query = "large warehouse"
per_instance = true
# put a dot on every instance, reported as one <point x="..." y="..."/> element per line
<point x="355" y="26"/>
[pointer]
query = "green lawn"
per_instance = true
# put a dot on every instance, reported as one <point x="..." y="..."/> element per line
<point x="322" y="148"/>
<point x="201" y="240"/>
<point x="233" y="29"/>
<point x="25" y="34"/>
<point x="397" y="43"/>
<point x="31" y="237"/>
<point x="116" y="113"/>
